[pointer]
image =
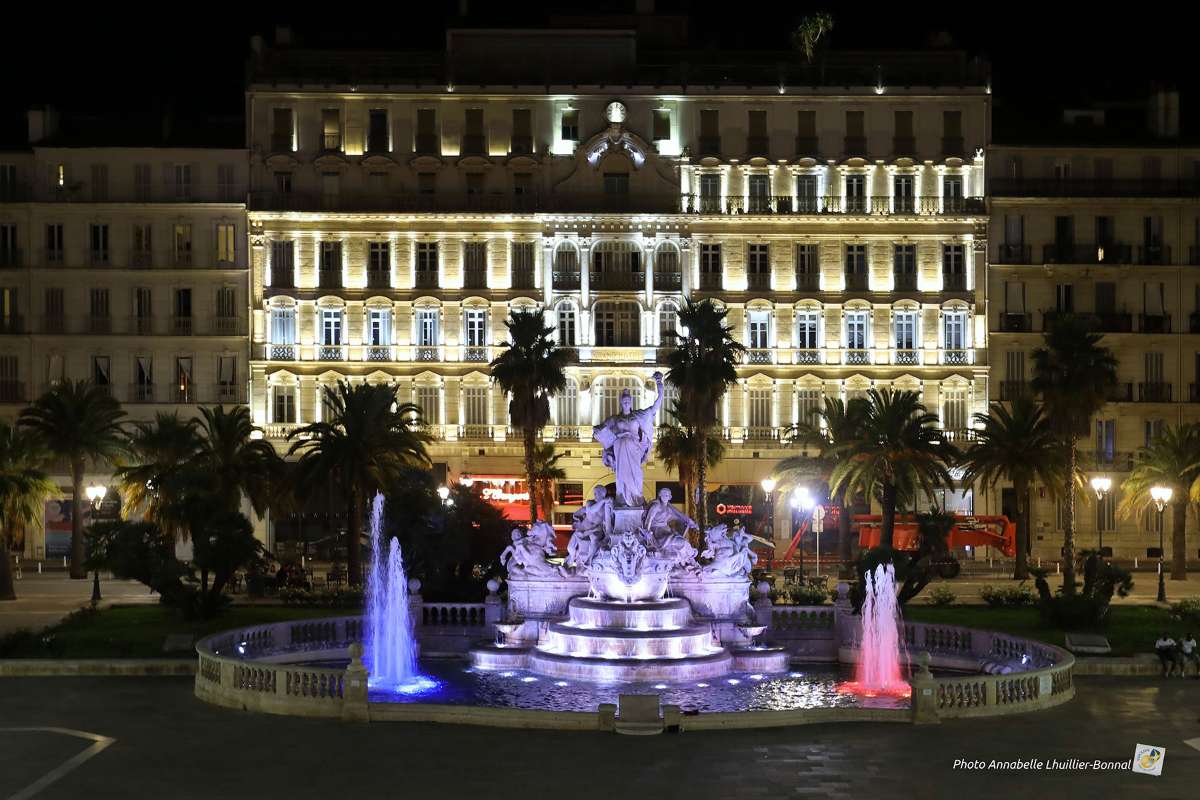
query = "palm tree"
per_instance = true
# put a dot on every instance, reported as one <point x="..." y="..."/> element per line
<point x="899" y="453"/>
<point x="160" y="452"/>
<point x="546" y="472"/>
<point x="1073" y="373"/>
<point x="365" y="444"/>
<point x="1020" y="444"/>
<point x="1170" y="459"/>
<point x="678" y="446"/>
<point x="531" y="370"/>
<point x="703" y="365"/>
<point x="837" y="425"/>
<point x="80" y="422"/>
<point x="24" y="489"/>
<point x="236" y="461"/>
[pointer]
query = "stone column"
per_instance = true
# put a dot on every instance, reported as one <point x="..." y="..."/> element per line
<point x="762" y="604"/>
<point x="924" y="699"/>
<point x="493" y="605"/>
<point x="354" y="688"/>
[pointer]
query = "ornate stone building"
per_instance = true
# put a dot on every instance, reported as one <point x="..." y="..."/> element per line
<point x="400" y="208"/>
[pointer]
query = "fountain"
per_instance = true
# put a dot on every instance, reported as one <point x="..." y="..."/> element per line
<point x="878" y="672"/>
<point x="392" y="654"/>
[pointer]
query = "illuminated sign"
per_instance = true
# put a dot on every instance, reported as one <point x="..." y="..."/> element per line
<point x="725" y="508"/>
<point x="509" y="493"/>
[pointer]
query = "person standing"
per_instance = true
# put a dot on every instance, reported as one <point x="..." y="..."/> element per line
<point x="1187" y="649"/>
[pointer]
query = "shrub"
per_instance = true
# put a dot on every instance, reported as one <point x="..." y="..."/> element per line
<point x="1187" y="611"/>
<point x="322" y="598"/>
<point x="941" y="596"/>
<point x="1089" y="608"/>
<point x="809" y="594"/>
<point x="1007" y="596"/>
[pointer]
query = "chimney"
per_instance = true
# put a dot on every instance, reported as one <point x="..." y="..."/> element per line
<point x="43" y="123"/>
<point x="1163" y="113"/>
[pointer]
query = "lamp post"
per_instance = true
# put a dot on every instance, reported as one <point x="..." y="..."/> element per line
<point x="802" y="501"/>
<point x="1161" y="495"/>
<point x="1101" y="484"/>
<point x="768" y="486"/>
<point x="818" y="519"/>
<point x="95" y="495"/>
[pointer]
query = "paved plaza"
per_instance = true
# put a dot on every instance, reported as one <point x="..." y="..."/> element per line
<point x="167" y="744"/>
<point x="42" y="600"/>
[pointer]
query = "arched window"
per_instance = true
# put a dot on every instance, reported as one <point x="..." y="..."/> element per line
<point x="617" y="265"/>
<point x="668" y="324"/>
<point x="617" y="325"/>
<point x="566" y="267"/>
<point x="668" y="277"/>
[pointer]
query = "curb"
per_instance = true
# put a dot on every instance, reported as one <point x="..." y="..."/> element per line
<point x="96" y="667"/>
<point x="1141" y="664"/>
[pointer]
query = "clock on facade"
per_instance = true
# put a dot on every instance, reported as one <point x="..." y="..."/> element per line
<point x="614" y="112"/>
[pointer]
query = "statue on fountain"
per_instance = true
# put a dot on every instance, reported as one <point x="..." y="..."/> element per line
<point x="730" y="557"/>
<point x="627" y="437"/>
<point x="526" y="557"/>
<point x="591" y="525"/>
<point x="657" y="522"/>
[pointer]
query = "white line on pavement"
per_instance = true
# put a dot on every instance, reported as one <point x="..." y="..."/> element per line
<point x="100" y="743"/>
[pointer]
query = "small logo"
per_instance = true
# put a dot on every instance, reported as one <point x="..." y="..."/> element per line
<point x="1148" y="759"/>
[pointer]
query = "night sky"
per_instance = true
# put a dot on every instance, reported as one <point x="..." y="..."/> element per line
<point x="1042" y="53"/>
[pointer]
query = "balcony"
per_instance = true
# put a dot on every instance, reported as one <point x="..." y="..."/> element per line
<point x="1070" y="253"/>
<point x="808" y="282"/>
<point x="377" y="352"/>
<point x="181" y="393"/>
<point x="142" y="325"/>
<point x="227" y="326"/>
<point x="1106" y="461"/>
<point x="1092" y="187"/>
<point x="709" y="146"/>
<point x="12" y="324"/>
<point x="99" y="258"/>
<point x="1119" y="393"/>
<point x="953" y="146"/>
<point x="426" y="279"/>
<point x="758" y="281"/>
<point x="668" y="281"/>
<point x="281" y="352"/>
<point x="1153" y="255"/>
<point x="331" y="352"/>
<point x="857" y="357"/>
<point x="710" y="281"/>
<point x="99" y="324"/>
<point x="1013" y="254"/>
<point x="475" y="353"/>
<point x="181" y="258"/>
<point x="1194" y="392"/>
<point x="473" y="144"/>
<point x="1112" y="322"/>
<point x="54" y="323"/>
<point x="906" y="358"/>
<point x="11" y="257"/>
<point x="760" y="355"/>
<point x="12" y="392"/>
<point x="180" y="326"/>
<point x="857" y="281"/>
<point x="228" y="393"/>
<point x="807" y="146"/>
<point x="857" y="204"/>
<point x="758" y="146"/>
<point x="522" y="278"/>
<point x="379" y="279"/>
<point x="141" y="259"/>
<point x="956" y="358"/>
<point x="569" y="433"/>
<point x="854" y="145"/>
<point x="475" y="279"/>
<point x="1012" y="390"/>
<point x="1156" y="392"/>
<point x="904" y="146"/>
<point x="425" y="144"/>
<point x="142" y="393"/>
<point x="476" y="432"/>
<point x="806" y="356"/>
<point x="427" y="353"/>
<point x="521" y="146"/>
<point x="904" y="281"/>
<point x="761" y="433"/>
<point x="1154" y="323"/>
<point x="329" y="278"/>
<point x="1011" y="322"/>
<point x="285" y="280"/>
<point x="617" y="280"/>
<point x="565" y="280"/>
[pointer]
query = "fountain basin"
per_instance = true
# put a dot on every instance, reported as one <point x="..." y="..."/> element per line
<point x="760" y="658"/>
<point x="566" y="639"/>
<point x="609" y="670"/>
<point x="644" y="615"/>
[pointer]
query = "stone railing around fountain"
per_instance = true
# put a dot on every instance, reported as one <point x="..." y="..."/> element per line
<point x="808" y="633"/>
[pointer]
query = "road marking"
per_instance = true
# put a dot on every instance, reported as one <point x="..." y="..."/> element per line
<point x="99" y="744"/>
<point x="1193" y="743"/>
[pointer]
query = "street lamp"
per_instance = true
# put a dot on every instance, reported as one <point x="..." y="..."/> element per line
<point x="1161" y="495"/>
<point x="1101" y="484"/>
<point x="95" y="495"/>
<point x="768" y="486"/>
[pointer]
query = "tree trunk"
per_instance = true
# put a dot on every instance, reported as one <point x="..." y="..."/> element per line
<point x="529" y="447"/>
<point x="1068" y="550"/>
<point x="701" y="479"/>
<point x="1021" y="567"/>
<point x="78" y="571"/>
<point x="1178" y="542"/>
<point x="888" y="522"/>
<point x="845" y="546"/>
<point x="7" y="589"/>
<point x="354" y="518"/>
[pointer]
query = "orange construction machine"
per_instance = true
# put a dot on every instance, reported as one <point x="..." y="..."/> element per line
<point x="977" y="531"/>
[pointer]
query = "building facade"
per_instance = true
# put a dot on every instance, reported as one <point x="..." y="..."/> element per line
<point x="395" y="220"/>
<point x="127" y="266"/>
<point x="1112" y="232"/>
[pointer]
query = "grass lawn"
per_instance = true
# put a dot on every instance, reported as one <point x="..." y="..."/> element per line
<point x="1130" y="629"/>
<point x="139" y="631"/>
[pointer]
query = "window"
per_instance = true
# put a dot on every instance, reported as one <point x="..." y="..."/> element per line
<point x="758" y="266"/>
<point x="283" y="326"/>
<point x="225" y="187"/>
<point x="331" y="327"/>
<point x="98" y="303"/>
<point x="55" y="308"/>
<point x="143" y="309"/>
<point x="282" y="271"/>
<point x="952" y="193"/>
<point x="378" y="135"/>
<point x="99" y="182"/>
<point x="283" y="182"/>
<point x="806" y="194"/>
<point x="427" y="264"/>
<point x="756" y="132"/>
<point x="903" y="124"/>
<point x="226" y="376"/>
<point x="429" y="400"/>
<point x="1106" y="518"/>
<point x="283" y="134"/>
<point x="474" y="255"/>
<point x="758" y="409"/>
<point x="427" y="133"/>
<point x="710" y="266"/>
<point x="183" y="380"/>
<point x="808" y="267"/>
<point x="955" y="324"/>
<point x="617" y="325"/>
<point x="808" y="403"/>
<point x="141" y="182"/>
<point x="9" y="251"/>
<point x="567" y="404"/>
<point x="855" y="125"/>
<point x="330" y="264"/>
<point x="608" y="395"/>
<point x="660" y="124"/>
<point x="101" y="374"/>
<point x="226" y="243"/>
<point x="710" y="131"/>
<point x="1106" y="440"/>
<point x="954" y="267"/>
<point x="856" y="329"/>
<point x="668" y="324"/>
<point x="856" y="193"/>
<point x="182" y="244"/>
<point x="283" y="407"/>
<point x="904" y="329"/>
<point x="904" y="267"/>
<point x="758" y="329"/>
<point x="54" y="243"/>
<point x="566" y="325"/>
<point x="99" y="243"/>
<point x="475" y="327"/>
<point x="331" y="129"/>
<point x="808" y="324"/>
<point x="521" y="256"/>
<point x="710" y="193"/>
<point x="427" y="327"/>
<point x="522" y="183"/>
<point x="426" y="183"/>
<point x="1152" y="430"/>
<point x="952" y="124"/>
<point x="569" y="127"/>
<point x="954" y="409"/>
<point x="856" y="266"/>
<point x="183" y="181"/>
<point x="379" y="327"/>
<point x="475" y="405"/>
<point x="522" y="131"/>
<point x="1064" y="298"/>
<point x="474" y="139"/>
<point x="143" y="377"/>
<point x="183" y="305"/>
<point x="142" y="249"/>
<point x="379" y="258"/>
<point x="904" y="194"/>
